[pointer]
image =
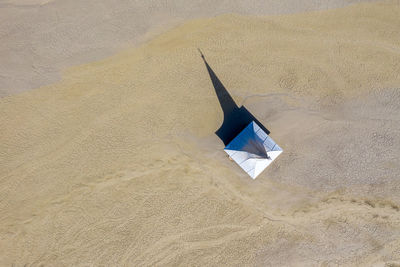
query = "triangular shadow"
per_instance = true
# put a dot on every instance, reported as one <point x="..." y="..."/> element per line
<point x="235" y="118"/>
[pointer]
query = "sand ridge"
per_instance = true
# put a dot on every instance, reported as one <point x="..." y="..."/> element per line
<point x="118" y="164"/>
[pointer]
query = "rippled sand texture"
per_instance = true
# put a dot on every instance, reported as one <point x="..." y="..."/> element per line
<point x="40" y="38"/>
<point x="118" y="163"/>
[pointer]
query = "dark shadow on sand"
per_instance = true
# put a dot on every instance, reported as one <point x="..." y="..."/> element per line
<point x="235" y="118"/>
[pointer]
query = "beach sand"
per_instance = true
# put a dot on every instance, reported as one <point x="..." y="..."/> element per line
<point x="117" y="164"/>
<point x="40" y="38"/>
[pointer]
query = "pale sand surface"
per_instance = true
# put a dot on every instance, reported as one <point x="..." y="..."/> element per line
<point x="118" y="164"/>
<point x="39" y="38"/>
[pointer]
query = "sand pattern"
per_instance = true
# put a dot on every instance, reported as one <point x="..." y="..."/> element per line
<point x="40" y="38"/>
<point x="118" y="164"/>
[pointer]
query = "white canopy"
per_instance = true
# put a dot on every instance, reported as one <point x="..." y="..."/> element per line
<point x="253" y="150"/>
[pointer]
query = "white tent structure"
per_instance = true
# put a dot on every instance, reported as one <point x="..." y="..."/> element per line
<point x="253" y="150"/>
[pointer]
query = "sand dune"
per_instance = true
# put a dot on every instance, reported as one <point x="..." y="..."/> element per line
<point x="118" y="164"/>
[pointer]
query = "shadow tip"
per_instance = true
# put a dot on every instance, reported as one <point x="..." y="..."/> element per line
<point x="201" y="54"/>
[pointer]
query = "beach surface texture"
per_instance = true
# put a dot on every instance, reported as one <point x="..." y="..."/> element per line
<point x="115" y="162"/>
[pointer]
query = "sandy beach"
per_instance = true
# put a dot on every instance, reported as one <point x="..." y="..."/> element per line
<point x="114" y="162"/>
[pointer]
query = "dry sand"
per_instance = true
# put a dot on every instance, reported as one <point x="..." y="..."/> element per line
<point x="39" y="38"/>
<point x="118" y="164"/>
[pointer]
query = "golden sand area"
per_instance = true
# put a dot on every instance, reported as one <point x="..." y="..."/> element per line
<point x="117" y="164"/>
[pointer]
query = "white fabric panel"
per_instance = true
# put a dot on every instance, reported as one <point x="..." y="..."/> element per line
<point x="255" y="127"/>
<point x="262" y="134"/>
<point x="240" y="147"/>
<point x="239" y="156"/>
<point x="252" y="173"/>
<point x="277" y="148"/>
<point x="248" y="165"/>
<point x="260" y="166"/>
<point x="274" y="154"/>
<point x="269" y="143"/>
